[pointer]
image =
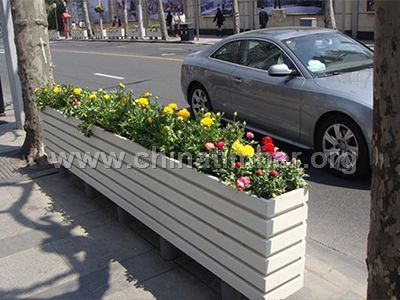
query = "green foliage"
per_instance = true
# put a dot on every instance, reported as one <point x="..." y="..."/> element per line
<point x="227" y="152"/>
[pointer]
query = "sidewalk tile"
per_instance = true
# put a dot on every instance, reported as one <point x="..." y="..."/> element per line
<point x="32" y="271"/>
<point x="97" y="248"/>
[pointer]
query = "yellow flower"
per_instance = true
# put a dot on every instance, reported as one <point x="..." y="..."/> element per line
<point x="242" y="150"/>
<point x="147" y="95"/>
<point x="123" y="101"/>
<point x="121" y="86"/>
<point x="150" y="120"/>
<point x="207" y="115"/>
<point x="143" y="102"/>
<point x="92" y="96"/>
<point x="206" y="121"/>
<point x="174" y="106"/>
<point x="77" y="91"/>
<point x="180" y="119"/>
<point x="45" y="90"/>
<point x="168" y="110"/>
<point x="36" y="90"/>
<point x="184" y="114"/>
<point x="56" y="89"/>
<point x="106" y="97"/>
<point x="247" y="151"/>
<point x="166" y="128"/>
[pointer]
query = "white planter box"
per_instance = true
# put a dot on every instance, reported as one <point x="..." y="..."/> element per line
<point x="79" y="34"/>
<point x="133" y="33"/>
<point x="256" y="245"/>
<point x="54" y="35"/>
<point x="116" y="33"/>
<point x="153" y="33"/>
<point x="97" y="34"/>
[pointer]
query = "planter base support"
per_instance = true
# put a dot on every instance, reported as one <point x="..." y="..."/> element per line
<point x="167" y="250"/>
<point x="89" y="191"/>
<point x="229" y="293"/>
<point x="122" y="215"/>
<point x="63" y="172"/>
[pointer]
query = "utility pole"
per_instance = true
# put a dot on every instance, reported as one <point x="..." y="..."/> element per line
<point x="11" y="61"/>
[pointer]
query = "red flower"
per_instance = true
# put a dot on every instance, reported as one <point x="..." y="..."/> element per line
<point x="73" y="101"/>
<point x="269" y="147"/>
<point x="220" y="144"/>
<point x="273" y="173"/>
<point x="238" y="164"/>
<point x="259" y="172"/>
<point x="267" y="140"/>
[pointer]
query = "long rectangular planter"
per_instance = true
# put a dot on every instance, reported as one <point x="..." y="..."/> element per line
<point x="79" y="34"/>
<point x="153" y="33"/>
<point x="118" y="33"/>
<point x="256" y="245"/>
<point x="98" y="35"/>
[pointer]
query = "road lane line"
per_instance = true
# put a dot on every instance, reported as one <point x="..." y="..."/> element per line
<point x="118" y="55"/>
<point x="109" y="76"/>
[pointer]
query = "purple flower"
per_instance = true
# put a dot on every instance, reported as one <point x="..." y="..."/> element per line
<point x="280" y="156"/>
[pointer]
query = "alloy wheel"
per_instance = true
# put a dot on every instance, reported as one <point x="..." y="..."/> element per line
<point x="199" y="101"/>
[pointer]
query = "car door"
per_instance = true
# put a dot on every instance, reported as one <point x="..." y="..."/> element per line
<point x="217" y="75"/>
<point x="267" y="102"/>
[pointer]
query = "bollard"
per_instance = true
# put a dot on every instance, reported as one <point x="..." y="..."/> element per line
<point x="167" y="250"/>
<point x="122" y="215"/>
<point x="2" y="108"/>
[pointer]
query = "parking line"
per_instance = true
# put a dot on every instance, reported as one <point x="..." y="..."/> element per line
<point x="118" y="55"/>
<point x="109" y="76"/>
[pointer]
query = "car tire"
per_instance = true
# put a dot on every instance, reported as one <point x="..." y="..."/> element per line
<point x="344" y="146"/>
<point x="199" y="99"/>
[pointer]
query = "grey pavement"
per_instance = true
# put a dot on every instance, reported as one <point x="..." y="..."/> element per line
<point x="57" y="243"/>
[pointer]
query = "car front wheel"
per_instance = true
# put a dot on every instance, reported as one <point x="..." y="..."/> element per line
<point x="199" y="100"/>
<point x="343" y="145"/>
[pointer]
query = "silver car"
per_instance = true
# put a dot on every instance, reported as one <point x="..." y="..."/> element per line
<point x="310" y="87"/>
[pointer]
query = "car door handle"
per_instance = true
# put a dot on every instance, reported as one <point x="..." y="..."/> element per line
<point x="237" y="79"/>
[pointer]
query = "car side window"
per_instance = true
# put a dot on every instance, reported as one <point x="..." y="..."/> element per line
<point x="229" y="52"/>
<point x="262" y="55"/>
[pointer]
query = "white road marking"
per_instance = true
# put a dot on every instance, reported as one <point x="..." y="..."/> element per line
<point x="177" y="49"/>
<point x="167" y="54"/>
<point x="2" y="51"/>
<point x="109" y="76"/>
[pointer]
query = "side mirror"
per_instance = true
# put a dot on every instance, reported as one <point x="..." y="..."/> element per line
<point x="281" y="70"/>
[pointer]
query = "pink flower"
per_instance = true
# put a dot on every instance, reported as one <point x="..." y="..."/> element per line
<point x="250" y="135"/>
<point x="220" y="144"/>
<point x="280" y="156"/>
<point x="294" y="160"/>
<point x="242" y="183"/>
<point x="238" y="164"/>
<point x="209" y="146"/>
<point x="273" y="173"/>
<point x="259" y="172"/>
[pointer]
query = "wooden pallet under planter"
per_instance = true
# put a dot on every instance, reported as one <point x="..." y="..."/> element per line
<point x="255" y="245"/>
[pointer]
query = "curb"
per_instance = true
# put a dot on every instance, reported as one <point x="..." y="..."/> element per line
<point x="140" y="41"/>
<point x="342" y="271"/>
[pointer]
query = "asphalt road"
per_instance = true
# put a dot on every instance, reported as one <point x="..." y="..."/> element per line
<point x="338" y="208"/>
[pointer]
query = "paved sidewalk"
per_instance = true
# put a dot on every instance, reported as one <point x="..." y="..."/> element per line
<point x="55" y="242"/>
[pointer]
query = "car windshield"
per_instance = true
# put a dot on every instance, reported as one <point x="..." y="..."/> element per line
<point x="326" y="54"/>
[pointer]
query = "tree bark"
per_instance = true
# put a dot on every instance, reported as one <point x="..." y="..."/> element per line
<point x="87" y="18"/>
<point x="126" y="17"/>
<point x="161" y="17"/>
<point x="139" y="17"/>
<point x="383" y="241"/>
<point x="34" y="69"/>
<point x="330" y="20"/>
<point x="236" y="16"/>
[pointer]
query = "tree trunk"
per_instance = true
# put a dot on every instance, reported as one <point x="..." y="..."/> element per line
<point x="383" y="241"/>
<point x="126" y="17"/>
<point x="101" y="25"/>
<point x="236" y="16"/>
<point x="34" y="69"/>
<point x="161" y="17"/>
<point x="139" y="17"/>
<point x="330" y="20"/>
<point x="87" y="18"/>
